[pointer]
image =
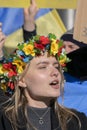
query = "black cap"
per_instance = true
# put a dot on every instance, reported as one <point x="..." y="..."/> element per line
<point x="69" y="37"/>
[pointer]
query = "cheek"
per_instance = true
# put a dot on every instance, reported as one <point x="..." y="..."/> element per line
<point x="34" y="80"/>
<point x="35" y="84"/>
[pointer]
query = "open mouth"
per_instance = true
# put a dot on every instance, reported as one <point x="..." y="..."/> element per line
<point x="55" y="84"/>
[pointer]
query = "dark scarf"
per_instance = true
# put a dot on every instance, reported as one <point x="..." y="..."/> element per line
<point x="78" y="66"/>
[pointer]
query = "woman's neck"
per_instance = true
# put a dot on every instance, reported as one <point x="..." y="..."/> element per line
<point x="38" y="102"/>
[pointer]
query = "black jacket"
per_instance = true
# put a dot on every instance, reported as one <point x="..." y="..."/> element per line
<point x="28" y="35"/>
<point x="71" y="125"/>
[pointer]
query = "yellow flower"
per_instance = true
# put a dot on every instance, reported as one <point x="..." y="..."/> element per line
<point x="54" y="47"/>
<point x="29" y="49"/>
<point x="62" y="61"/>
<point x="3" y="87"/>
<point x="1" y="70"/>
<point x="20" y="65"/>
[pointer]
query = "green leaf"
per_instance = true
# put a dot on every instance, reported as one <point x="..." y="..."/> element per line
<point x="51" y="36"/>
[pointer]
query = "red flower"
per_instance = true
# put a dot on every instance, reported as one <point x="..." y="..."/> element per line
<point x="7" y="65"/>
<point x="39" y="46"/>
<point x="12" y="73"/>
<point x="60" y="50"/>
<point x="63" y="65"/>
<point x="10" y="68"/>
<point x="11" y="85"/>
<point x="44" y="40"/>
<point x="57" y="41"/>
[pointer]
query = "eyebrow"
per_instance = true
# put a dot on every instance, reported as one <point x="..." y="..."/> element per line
<point x="46" y="62"/>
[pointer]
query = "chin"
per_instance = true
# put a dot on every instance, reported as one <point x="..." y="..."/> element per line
<point x="55" y="95"/>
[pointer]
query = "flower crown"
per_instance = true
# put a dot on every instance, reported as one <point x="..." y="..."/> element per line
<point x="15" y="64"/>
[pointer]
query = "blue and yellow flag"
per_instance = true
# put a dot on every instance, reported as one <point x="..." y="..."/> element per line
<point x="47" y="20"/>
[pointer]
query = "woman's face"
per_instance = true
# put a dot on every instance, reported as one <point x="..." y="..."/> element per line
<point x="43" y="78"/>
<point x="70" y="46"/>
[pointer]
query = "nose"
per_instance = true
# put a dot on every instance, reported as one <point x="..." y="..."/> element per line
<point x="67" y="48"/>
<point x="54" y="72"/>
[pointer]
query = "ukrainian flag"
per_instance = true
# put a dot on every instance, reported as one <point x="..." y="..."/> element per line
<point x="47" y="21"/>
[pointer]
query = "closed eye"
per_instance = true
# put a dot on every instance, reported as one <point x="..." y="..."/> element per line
<point x="71" y="46"/>
<point x="42" y="67"/>
<point x="57" y="67"/>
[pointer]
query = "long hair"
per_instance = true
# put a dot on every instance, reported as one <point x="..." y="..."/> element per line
<point x="18" y="105"/>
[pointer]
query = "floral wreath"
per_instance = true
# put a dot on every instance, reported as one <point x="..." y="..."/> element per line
<point x="14" y="65"/>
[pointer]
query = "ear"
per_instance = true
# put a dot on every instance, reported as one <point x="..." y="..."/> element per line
<point x="22" y="83"/>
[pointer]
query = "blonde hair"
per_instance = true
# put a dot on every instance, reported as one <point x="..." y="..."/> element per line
<point x="19" y="102"/>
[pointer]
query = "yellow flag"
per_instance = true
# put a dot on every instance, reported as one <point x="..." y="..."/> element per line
<point x="57" y="4"/>
<point x="63" y="4"/>
<point x="50" y="23"/>
<point x="14" y="3"/>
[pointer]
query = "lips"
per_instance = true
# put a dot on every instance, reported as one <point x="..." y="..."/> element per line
<point x="55" y="84"/>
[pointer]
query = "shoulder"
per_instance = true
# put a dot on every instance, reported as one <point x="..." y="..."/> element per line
<point x="3" y="97"/>
<point x="4" y="122"/>
<point x="2" y="113"/>
<point x="82" y="117"/>
<point x="80" y="120"/>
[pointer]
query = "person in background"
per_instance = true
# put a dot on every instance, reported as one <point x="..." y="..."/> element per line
<point x="75" y="94"/>
<point x="70" y="43"/>
<point x="77" y="51"/>
<point x="34" y="80"/>
<point x="29" y="27"/>
<point x="26" y="31"/>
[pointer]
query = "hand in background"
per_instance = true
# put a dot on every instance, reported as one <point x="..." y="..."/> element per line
<point x="2" y="41"/>
<point x="29" y="16"/>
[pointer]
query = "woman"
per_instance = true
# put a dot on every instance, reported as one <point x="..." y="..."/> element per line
<point x="33" y="75"/>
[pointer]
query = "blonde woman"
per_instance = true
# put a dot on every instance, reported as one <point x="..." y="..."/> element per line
<point x="33" y="78"/>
